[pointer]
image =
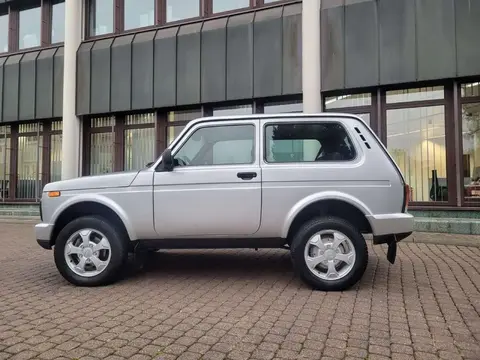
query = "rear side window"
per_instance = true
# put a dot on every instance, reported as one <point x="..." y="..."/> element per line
<point x="307" y="142"/>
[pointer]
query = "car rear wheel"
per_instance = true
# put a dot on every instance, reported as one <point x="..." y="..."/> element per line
<point x="329" y="254"/>
<point x="90" y="252"/>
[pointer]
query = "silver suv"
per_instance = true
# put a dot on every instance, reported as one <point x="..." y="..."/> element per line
<point x="313" y="184"/>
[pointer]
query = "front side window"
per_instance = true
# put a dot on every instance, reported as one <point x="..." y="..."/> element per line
<point x="101" y="17"/>
<point x="3" y="33"/>
<point x="139" y="13"/>
<point x="307" y="143"/>
<point x="228" y="5"/>
<point x="218" y="145"/>
<point x="182" y="9"/>
<point x="30" y="21"/>
<point x="58" y="22"/>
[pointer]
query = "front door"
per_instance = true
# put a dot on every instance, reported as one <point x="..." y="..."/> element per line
<point x="215" y="186"/>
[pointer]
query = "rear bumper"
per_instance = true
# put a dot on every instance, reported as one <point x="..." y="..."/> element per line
<point x="391" y="224"/>
<point x="43" y="233"/>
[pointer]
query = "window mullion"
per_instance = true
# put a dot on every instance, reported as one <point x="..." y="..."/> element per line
<point x="119" y="16"/>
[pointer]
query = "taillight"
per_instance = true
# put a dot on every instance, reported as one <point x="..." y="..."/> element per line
<point x="406" y="197"/>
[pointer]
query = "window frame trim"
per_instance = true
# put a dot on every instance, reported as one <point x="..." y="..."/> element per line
<point x="271" y="122"/>
<point x="176" y="146"/>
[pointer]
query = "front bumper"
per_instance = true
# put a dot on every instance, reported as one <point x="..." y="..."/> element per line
<point x="43" y="233"/>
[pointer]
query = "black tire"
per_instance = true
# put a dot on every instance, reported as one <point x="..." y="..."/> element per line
<point x="311" y="227"/>
<point x="118" y="245"/>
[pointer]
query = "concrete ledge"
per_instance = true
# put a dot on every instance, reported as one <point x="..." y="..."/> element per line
<point x="465" y="226"/>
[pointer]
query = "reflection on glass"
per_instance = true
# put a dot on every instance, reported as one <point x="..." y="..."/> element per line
<point x="139" y="13"/>
<point x="346" y="101"/>
<point x="472" y="89"/>
<point x="270" y="1"/>
<point x="139" y="143"/>
<point x="419" y="94"/>
<point x="307" y="142"/>
<point x="416" y="140"/>
<point x="173" y="132"/>
<point x="101" y="17"/>
<point x="365" y="117"/>
<point x="29" y="28"/>
<point x="218" y="145"/>
<point x="58" y="22"/>
<point x="30" y="149"/>
<point x="471" y="151"/>
<point x="184" y="115"/>
<point x="102" y="146"/>
<point x="3" y="33"/>
<point x="227" y="5"/>
<point x="233" y="110"/>
<point x="56" y="152"/>
<point x="283" y="107"/>
<point x="101" y="153"/>
<point x="182" y="9"/>
<point x="4" y="161"/>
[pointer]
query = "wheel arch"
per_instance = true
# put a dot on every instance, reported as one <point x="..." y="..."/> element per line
<point x="334" y="204"/>
<point x="89" y="207"/>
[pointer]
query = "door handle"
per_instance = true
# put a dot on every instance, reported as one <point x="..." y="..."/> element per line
<point x="247" y="175"/>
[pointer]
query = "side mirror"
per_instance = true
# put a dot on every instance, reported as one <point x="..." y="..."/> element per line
<point x="150" y="164"/>
<point x="167" y="160"/>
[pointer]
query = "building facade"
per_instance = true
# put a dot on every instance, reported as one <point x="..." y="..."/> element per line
<point x="96" y="86"/>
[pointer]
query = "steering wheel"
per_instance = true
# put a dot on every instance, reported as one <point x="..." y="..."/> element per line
<point x="183" y="160"/>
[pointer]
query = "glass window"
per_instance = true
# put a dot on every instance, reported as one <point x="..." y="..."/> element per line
<point x="346" y="101"/>
<point x="178" y="121"/>
<point x="419" y="94"/>
<point x="30" y="149"/>
<point x="307" y="143"/>
<point x="233" y="110"/>
<point x="30" y="21"/>
<point x="365" y="117"/>
<point x="218" y="145"/>
<point x="139" y="142"/>
<point x="416" y="140"/>
<point x="227" y="5"/>
<point x="101" y="17"/>
<point x="3" y="33"/>
<point x="139" y="13"/>
<point x="58" y="22"/>
<point x="102" y="146"/>
<point x="470" y="90"/>
<point x="4" y="162"/>
<point x="56" y="152"/>
<point x="182" y="9"/>
<point x="270" y="1"/>
<point x="283" y="107"/>
<point x="471" y="151"/>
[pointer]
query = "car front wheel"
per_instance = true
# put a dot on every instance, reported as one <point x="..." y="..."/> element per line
<point x="89" y="251"/>
<point x="329" y="254"/>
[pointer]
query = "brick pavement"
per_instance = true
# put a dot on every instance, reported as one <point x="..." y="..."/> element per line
<point x="240" y="305"/>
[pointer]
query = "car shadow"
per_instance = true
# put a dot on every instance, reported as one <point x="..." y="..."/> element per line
<point x="243" y="264"/>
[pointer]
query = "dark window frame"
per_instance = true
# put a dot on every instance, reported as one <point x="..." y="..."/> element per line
<point x="463" y="101"/>
<point x="450" y="142"/>
<point x="13" y="11"/>
<point x="160" y="21"/>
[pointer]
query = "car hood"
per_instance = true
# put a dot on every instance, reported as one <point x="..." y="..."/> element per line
<point x="114" y="180"/>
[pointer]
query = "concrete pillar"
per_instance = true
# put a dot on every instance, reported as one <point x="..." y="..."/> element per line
<point x="71" y="124"/>
<point x="311" y="67"/>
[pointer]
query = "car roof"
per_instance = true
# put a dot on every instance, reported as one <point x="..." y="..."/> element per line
<point x="305" y="116"/>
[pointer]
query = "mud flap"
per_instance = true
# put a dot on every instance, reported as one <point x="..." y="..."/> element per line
<point x="392" y="252"/>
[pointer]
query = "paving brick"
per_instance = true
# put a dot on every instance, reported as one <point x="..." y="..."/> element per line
<point x="239" y="305"/>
